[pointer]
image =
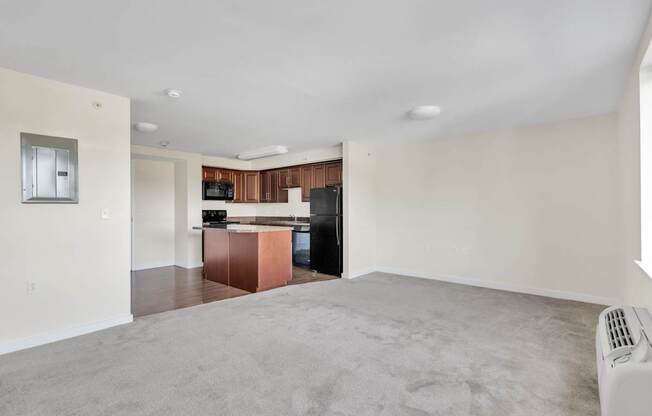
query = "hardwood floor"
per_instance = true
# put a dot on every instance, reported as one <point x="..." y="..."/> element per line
<point x="167" y="288"/>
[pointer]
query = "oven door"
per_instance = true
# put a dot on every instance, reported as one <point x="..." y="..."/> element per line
<point x="220" y="191"/>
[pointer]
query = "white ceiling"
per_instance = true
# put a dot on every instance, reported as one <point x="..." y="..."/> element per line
<point x="306" y="73"/>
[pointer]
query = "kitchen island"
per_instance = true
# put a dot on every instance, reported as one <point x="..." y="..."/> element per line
<point x="250" y="257"/>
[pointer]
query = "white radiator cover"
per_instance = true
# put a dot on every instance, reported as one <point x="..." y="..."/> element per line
<point x="624" y="361"/>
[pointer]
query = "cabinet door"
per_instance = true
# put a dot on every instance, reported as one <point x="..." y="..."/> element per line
<point x="282" y="193"/>
<point x="209" y="174"/>
<point x="319" y="178"/>
<point x="307" y="173"/>
<point x="333" y="173"/>
<point x="294" y="177"/>
<point x="238" y="186"/>
<point x="273" y="186"/>
<point x="264" y="186"/>
<point x="224" y="175"/>
<point x="283" y="178"/>
<point x="251" y="186"/>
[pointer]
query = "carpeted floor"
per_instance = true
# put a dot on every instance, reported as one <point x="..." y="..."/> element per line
<point x="377" y="345"/>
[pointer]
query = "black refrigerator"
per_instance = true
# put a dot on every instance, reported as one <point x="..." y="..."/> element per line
<point x="326" y="230"/>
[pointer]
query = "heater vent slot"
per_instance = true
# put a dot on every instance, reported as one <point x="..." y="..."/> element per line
<point x="618" y="330"/>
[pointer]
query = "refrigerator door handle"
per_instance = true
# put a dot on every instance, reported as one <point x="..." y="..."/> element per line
<point x="337" y="229"/>
<point x="337" y="202"/>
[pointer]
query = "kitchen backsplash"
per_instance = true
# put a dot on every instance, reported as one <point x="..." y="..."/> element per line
<point x="294" y="206"/>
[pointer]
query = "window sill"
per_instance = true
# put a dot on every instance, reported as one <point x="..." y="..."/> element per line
<point x="646" y="267"/>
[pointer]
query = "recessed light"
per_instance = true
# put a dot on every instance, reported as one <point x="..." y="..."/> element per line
<point x="145" y="127"/>
<point x="172" y="93"/>
<point x="164" y="143"/>
<point x="424" y="112"/>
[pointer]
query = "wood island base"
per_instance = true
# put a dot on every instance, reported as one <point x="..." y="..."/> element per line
<point x="252" y="258"/>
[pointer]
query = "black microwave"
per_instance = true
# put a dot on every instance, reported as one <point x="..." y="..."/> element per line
<point x="219" y="191"/>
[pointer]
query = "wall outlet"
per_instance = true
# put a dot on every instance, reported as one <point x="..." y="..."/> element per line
<point x="31" y="287"/>
<point x="105" y="213"/>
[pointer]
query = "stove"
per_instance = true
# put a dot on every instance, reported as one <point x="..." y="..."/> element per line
<point x="215" y="218"/>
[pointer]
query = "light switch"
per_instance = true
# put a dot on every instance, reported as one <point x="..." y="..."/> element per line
<point x="105" y="213"/>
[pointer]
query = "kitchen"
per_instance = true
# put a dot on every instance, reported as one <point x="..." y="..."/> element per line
<point x="261" y="229"/>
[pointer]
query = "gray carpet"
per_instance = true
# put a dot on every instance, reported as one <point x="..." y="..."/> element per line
<point x="377" y="345"/>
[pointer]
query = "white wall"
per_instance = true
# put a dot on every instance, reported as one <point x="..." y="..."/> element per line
<point x="188" y="203"/>
<point x="637" y="286"/>
<point x="529" y="208"/>
<point x="79" y="262"/>
<point x="153" y="213"/>
<point x="361" y="179"/>
<point x="298" y="158"/>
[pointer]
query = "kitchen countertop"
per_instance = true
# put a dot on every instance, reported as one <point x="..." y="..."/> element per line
<point x="275" y="221"/>
<point x="249" y="228"/>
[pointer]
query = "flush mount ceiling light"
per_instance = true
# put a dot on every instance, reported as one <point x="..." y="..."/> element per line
<point x="172" y="93"/>
<point x="164" y="143"/>
<point x="145" y="127"/>
<point x="263" y="152"/>
<point x="424" y="112"/>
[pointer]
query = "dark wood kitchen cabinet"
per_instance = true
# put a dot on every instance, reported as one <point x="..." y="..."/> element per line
<point x="283" y="175"/>
<point x="282" y="195"/>
<point x="251" y="180"/>
<point x="265" y="186"/>
<point x="307" y="173"/>
<point x="272" y="185"/>
<point x="318" y="178"/>
<point x="294" y="177"/>
<point x="225" y="175"/>
<point x="209" y="174"/>
<point x="238" y="178"/>
<point x="333" y="173"/>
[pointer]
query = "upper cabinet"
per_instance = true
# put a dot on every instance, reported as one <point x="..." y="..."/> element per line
<point x="272" y="185"/>
<point x="318" y="179"/>
<point x="265" y="186"/>
<point x="225" y="175"/>
<point x="333" y="173"/>
<point x="294" y="177"/>
<point x="251" y="180"/>
<point x="307" y="180"/>
<point x="209" y="174"/>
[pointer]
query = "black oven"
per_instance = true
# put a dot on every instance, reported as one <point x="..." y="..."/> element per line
<point x="220" y="191"/>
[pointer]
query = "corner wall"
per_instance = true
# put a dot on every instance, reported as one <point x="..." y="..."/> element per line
<point x="637" y="286"/>
<point x="532" y="209"/>
<point x="78" y="262"/>
<point x="360" y="176"/>
<point x="153" y="193"/>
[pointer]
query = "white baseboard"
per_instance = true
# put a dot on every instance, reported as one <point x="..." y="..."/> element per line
<point x="52" y="336"/>
<point x="353" y="275"/>
<point x="509" y="287"/>
<point x="151" y="266"/>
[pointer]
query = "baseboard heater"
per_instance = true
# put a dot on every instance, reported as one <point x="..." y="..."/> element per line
<point x="624" y="358"/>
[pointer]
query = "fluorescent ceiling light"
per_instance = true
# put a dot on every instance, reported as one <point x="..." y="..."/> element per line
<point x="424" y="112"/>
<point x="172" y="93"/>
<point x="263" y="152"/>
<point x="144" y="127"/>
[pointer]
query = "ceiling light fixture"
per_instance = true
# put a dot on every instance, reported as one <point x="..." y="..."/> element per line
<point x="164" y="143"/>
<point x="172" y="93"/>
<point x="424" y="112"/>
<point x="263" y="152"/>
<point x="145" y="127"/>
